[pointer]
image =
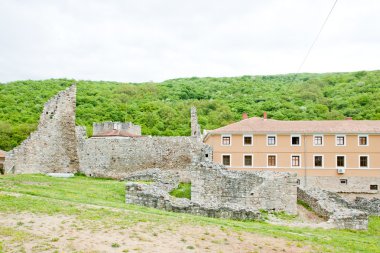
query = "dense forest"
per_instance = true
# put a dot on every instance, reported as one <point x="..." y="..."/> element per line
<point x="163" y="108"/>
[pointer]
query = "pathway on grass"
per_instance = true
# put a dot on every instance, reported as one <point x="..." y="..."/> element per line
<point x="61" y="233"/>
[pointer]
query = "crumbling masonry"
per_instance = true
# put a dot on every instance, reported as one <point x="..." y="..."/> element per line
<point x="53" y="146"/>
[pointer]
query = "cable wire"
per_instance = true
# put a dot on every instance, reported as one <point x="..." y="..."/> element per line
<point x="316" y="38"/>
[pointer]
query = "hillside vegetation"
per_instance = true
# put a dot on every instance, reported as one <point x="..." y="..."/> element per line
<point x="163" y="108"/>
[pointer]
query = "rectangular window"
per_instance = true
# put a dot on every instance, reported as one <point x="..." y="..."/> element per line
<point x="296" y="161"/>
<point x="248" y="160"/>
<point x="373" y="187"/>
<point x="318" y="140"/>
<point x="248" y="140"/>
<point x="363" y="140"/>
<point x="318" y="161"/>
<point x="226" y="140"/>
<point x="340" y="140"/>
<point x="363" y="161"/>
<point x="271" y="161"/>
<point x="226" y="160"/>
<point x="343" y="181"/>
<point x="296" y="140"/>
<point x="340" y="161"/>
<point x="271" y="140"/>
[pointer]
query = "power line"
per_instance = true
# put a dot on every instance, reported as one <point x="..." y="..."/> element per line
<point x="316" y="38"/>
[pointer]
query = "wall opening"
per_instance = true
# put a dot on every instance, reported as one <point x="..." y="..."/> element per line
<point x="373" y="187"/>
<point x="343" y="181"/>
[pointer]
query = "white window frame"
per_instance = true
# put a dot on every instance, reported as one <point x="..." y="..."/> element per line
<point x="345" y="162"/>
<point x="276" y="141"/>
<point x="291" y="161"/>
<point x="268" y="161"/>
<point x="291" y="140"/>
<point x="221" y="140"/>
<point x="336" y="140"/>
<point x="363" y="135"/>
<point x="368" y="164"/>
<point x="323" y="161"/>
<point x="247" y="166"/>
<point x="221" y="159"/>
<point x="323" y="140"/>
<point x="248" y="135"/>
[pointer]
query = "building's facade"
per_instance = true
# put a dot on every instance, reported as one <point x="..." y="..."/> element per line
<point x="342" y="156"/>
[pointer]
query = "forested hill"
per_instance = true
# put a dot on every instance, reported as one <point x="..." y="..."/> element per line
<point x="163" y="108"/>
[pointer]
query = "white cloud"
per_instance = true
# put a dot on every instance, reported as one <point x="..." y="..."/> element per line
<point x="136" y="41"/>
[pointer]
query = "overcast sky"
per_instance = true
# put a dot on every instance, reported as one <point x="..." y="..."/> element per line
<point x="135" y="41"/>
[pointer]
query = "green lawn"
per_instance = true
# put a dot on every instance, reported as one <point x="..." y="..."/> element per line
<point x="183" y="191"/>
<point x="46" y="195"/>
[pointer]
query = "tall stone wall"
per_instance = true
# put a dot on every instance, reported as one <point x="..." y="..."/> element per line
<point x="53" y="146"/>
<point x="118" y="157"/>
<point x="212" y="184"/>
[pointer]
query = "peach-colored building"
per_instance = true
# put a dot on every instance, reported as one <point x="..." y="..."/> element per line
<point x="337" y="155"/>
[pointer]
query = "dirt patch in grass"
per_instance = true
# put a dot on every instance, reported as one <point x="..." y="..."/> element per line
<point x="61" y="233"/>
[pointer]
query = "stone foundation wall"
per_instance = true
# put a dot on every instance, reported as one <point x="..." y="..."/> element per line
<point x="333" y="208"/>
<point x="213" y="184"/>
<point x="354" y="184"/>
<point x="370" y="206"/>
<point x="115" y="157"/>
<point x="53" y="146"/>
<point x="153" y="196"/>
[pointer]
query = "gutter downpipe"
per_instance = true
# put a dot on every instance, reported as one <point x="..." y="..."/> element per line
<point x="305" y="159"/>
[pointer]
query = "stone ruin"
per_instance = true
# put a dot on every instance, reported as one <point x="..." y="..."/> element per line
<point x="266" y="190"/>
<point x="53" y="146"/>
<point x="370" y="206"/>
<point x="334" y="208"/>
<point x="217" y="192"/>
<point x="57" y="146"/>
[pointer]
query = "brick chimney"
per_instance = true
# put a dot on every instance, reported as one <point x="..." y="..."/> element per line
<point x="348" y="118"/>
<point x="244" y="115"/>
<point x="265" y="115"/>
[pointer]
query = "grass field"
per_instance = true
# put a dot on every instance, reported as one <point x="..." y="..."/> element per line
<point x="98" y="205"/>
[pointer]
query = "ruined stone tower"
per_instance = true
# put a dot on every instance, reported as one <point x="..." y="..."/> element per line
<point x="195" y="127"/>
<point x="53" y="146"/>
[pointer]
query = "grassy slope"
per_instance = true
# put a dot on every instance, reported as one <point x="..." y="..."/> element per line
<point x="43" y="194"/>
<point x="163" y="108"/>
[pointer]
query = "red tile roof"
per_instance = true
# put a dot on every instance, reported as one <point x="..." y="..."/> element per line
<point x="259" y="125"/>
<point x="115" y="133"/>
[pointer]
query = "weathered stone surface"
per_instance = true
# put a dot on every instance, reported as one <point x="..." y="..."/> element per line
<point x="153" y="196"/>
<point x="213" y="184"/>
<point x="195" y="127"/>
<point x="334" y="208"/>
<point x="166" y="180"/>
<point x="122" y="127"/>
<point x="354" y="184"/>
<point x="53" y="146"/>
<point x="370" y="206"/>
<point x="119" y="157"/>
